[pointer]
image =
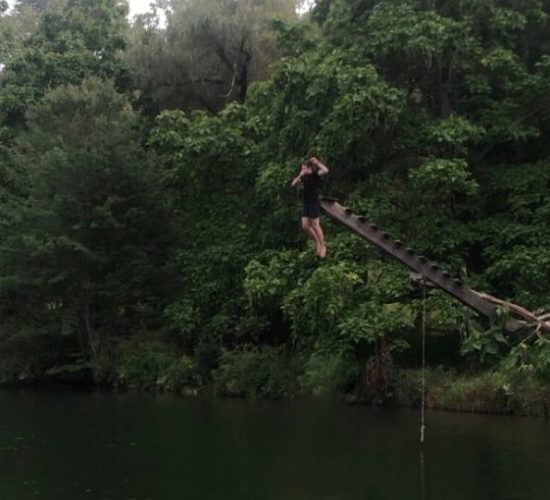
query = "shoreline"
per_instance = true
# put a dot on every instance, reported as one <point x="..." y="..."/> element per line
<point x="488" y="393"/>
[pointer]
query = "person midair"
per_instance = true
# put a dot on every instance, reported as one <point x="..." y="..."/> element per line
<point x="310" y="177"/>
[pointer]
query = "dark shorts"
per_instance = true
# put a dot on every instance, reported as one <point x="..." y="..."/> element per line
<point x="312" y="209"/>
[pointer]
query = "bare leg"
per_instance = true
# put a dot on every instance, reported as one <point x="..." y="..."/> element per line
<point x="307" y="227"/>
<point x="315" y="225"/>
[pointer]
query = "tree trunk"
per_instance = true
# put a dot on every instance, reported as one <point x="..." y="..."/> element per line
<point x="94" y="342"/>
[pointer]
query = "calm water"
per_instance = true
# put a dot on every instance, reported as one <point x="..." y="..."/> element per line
<point x="72" y="446"/>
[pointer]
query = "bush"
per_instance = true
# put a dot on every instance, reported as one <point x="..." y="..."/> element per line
<point x="154" y="365"/>
<point x="254" y="372"/>
<point x="327" y="373"/>
<point x="27" y="356"/>
<point x="487" y="392"/>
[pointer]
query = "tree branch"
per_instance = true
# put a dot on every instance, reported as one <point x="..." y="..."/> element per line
<point x="220" y="52"/>
<point x="521" y="311"/>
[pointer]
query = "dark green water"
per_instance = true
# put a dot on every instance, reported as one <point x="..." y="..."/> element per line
<point x="72" y="446"/>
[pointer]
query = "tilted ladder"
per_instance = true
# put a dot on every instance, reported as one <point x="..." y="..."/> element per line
<point x="418" y="263"/>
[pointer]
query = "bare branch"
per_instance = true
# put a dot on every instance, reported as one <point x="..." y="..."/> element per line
<point x="521" y="311"/>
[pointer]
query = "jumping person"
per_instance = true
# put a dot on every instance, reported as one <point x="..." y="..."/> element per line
<point x="310" y="176"/>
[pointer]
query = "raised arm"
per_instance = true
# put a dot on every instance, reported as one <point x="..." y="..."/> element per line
<point x="298" y="178"/>
<point x="323" y="169"/>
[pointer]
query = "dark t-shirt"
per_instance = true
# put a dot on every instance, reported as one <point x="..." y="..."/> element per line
<point x="312" y="187"/>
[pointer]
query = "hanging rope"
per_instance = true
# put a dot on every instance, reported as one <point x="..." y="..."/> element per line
<point x="423" y="399"/>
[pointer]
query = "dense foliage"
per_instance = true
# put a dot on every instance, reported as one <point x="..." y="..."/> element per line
<point x="149" y="233"/>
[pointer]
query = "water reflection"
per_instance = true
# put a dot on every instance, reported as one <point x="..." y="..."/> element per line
<point x="59" y="445"/>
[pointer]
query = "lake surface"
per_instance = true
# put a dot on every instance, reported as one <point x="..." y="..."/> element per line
<point x="59" y="445"/>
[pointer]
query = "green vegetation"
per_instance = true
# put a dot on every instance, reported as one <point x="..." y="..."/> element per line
<point x="486" y="392"/>
<point x="149" y="236"/>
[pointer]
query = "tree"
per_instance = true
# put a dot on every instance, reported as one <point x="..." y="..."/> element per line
<point x="85" y="39"/>
<point x="209" y="53"/>
<point x="427" y="110"/>
<point x="18" y="25"/>
<point x="82" y="246"/>
<point x="432" y="114"/>
<point x="207" y="169"/>
<point x="38" y="5"/>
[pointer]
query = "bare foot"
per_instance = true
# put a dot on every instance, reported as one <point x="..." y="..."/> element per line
<point x="322" y="252"/>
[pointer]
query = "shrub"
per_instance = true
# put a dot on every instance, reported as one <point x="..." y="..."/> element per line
<point x="326" y="373"/>
<point x="486" y="392"/>
<point x="254" y="372"/>
<point x="155" y="365"/>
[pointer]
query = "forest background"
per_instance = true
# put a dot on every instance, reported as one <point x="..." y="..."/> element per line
<point x="149" y="236"/>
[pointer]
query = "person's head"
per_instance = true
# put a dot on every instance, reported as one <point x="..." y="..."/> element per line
<point x="309" y="167"/>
